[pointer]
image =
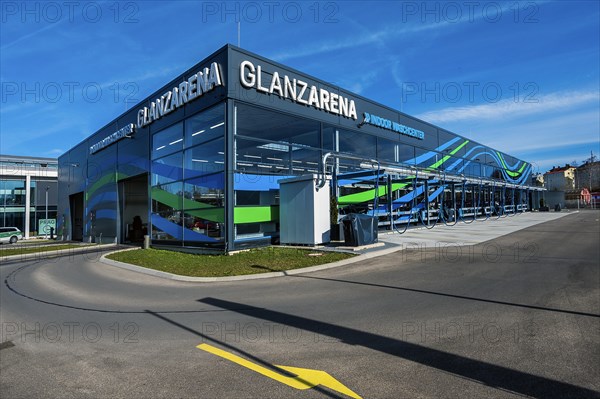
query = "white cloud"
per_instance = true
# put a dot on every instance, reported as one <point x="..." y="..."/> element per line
<point x="364" y="38"/>
<point x="411" y="23"/>
<point x="544" y="134"/>
<point x="31" y="34"/>
<point x="509" y="108"/>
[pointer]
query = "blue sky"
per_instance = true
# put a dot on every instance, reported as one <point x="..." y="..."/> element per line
<point x="521" y="77"/>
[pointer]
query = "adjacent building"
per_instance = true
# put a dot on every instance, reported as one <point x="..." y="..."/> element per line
<point x="560" y="178"/>
<point x="28" y="193"/>
<point x="587" y="176"/>
<point x="571" y="186"/>
<point x="537" y="180"/>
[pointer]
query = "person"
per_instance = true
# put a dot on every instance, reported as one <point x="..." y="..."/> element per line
<point x="136" y="228"/>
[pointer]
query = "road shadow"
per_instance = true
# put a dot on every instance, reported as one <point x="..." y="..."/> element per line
<point x="469" y="298"/>
<point x="491" y="375"/>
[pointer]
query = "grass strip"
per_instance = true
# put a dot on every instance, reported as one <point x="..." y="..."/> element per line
<point x="261" y="260"/>
<point x="47" y="248"/>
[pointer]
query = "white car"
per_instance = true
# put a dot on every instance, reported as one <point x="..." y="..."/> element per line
<point x="10" y="234"/>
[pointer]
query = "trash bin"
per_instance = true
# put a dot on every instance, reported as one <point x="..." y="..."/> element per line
<point x="359" y="229"/>
<point x="557" y="208"/>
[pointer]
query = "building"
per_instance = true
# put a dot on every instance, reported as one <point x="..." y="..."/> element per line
<point x="28" y="193"/>
<point x="588" y="176"/>
<point x="537" y="180"/>
<point x="198" y="163"/>
<point x="560" y="178"/>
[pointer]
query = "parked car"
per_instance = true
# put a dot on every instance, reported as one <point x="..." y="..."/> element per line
<point x="10" y="234"/>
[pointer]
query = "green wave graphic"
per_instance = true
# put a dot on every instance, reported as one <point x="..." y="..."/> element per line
<point x="241" y="214"/>
<point x="368" y="195"/>
<point x="507" y="170"/>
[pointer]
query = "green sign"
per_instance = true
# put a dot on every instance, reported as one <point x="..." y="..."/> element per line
<point x="44" y="226"/>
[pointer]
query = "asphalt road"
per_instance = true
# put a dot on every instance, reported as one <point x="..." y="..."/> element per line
<point x="516" y="316"/>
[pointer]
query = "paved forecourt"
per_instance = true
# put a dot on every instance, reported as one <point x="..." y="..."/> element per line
<point x="469" y="233"/>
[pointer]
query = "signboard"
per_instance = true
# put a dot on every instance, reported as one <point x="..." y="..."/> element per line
<point x="194" y="87"/>
<point x="44" y="226"/>
<point x="387" y="124"/>
<point x="113" y="138"/>
<point x="253" y="77"/>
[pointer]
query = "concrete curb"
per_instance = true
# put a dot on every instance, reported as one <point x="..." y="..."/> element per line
<point x="59" y="252"/>
<point x="176" y="277"/>
<point x="310" y="269"/>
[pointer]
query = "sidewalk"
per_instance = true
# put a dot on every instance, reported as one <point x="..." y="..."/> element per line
<point x="469" y="234"/>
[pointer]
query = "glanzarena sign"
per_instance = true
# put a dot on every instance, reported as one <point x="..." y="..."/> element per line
<point x="251" y="76"/>
<point x="197" y="84"/>
<point x="393" y="126"/>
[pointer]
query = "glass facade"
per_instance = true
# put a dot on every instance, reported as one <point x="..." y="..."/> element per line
<point x="211" y="167"/>
<point x="268" y="146"/>
<point x="188" y="181"/>
<point x="271" y="145"/>
<point x="14" y="209"/>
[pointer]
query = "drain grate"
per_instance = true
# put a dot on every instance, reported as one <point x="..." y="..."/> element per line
<point x="7" y="344"/>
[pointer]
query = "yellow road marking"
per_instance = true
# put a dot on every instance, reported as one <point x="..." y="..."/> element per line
<point x="305" y="378"/>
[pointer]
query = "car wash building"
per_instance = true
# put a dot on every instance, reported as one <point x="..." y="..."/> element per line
<point x="200" y="163"/>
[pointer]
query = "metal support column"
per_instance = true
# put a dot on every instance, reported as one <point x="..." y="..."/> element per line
<point x="427" y="200"/>
<point x="453" y="201"/>
<point x="462" y="200"/>
<point x="27" y="206"/>
<point x="390" y="199"/>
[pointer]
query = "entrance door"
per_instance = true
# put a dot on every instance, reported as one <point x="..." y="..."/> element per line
<point x="77" y="217"/>
<point x="133" y="205"/>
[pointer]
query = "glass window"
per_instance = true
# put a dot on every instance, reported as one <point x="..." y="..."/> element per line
<point x="247" y="229"/>
<point x="263" y="157"/>
<point x="32" y="193"/>
<point x="328" y="138"/>
<point x="255" y="230"/>
<point x="205" y="126"/>
<point x="15" y="219"/>
<point x="487" y="169"/>
<point x="167" y="226"/>
<point x="263" y="197"/>
<point x="305" y="160"/>
<point x="406" y="153"/>
<point x="472" y="168"/>
<point x="199" y="195"/>
<point x="386" y="150"/>
<point x="204" y="206"/>
<point x="13" y="192"/>
<point x="360" y="144"/>
<point x="167" y="140"/>
<point x="243" y="197"/>
<point x="423" y="157"/>
<point x="453" y="164"/>
<point x="274" y="126"/>
<point x="494" y="172"/>
<point x="167" y="169"/>
<point x="167" y="197"/>
<point x="205" y="158"/>
<point x="199" y="229"/>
